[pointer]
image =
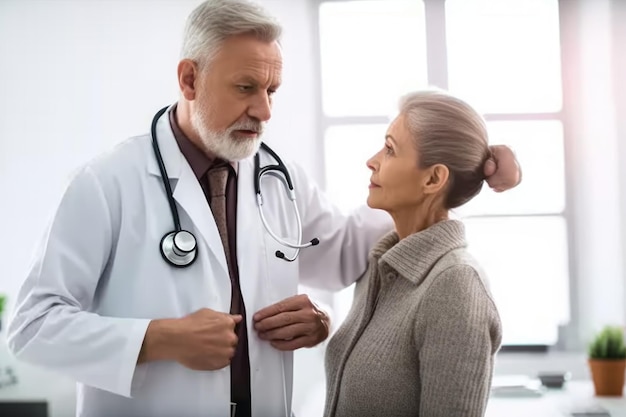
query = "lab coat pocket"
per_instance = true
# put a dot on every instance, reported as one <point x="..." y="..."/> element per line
<point x="282" y="275"/>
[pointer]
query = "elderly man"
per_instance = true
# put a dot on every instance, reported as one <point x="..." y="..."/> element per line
<point x="160" y="287"/>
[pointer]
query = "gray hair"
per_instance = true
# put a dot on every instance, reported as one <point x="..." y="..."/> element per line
<point x="213" y="21"/>
<point x="446" y="130"/>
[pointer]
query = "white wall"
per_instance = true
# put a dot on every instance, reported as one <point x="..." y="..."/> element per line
<point x="619" y="94"/>
<point x="79" y="76"/>
<point x="596" y="92"/>
<point x="76" y="77"/>
<point x="596" y="180"/>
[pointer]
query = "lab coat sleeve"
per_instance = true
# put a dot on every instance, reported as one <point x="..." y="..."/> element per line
<point x="340" y="259"/>
<point x="51" y="325"/>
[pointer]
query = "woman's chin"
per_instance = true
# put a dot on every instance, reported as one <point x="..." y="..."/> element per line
<point x="371" y="203"/>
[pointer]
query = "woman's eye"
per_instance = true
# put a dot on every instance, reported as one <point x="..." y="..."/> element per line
<point x="244" y="88"/>
<point x="388" y="150"/>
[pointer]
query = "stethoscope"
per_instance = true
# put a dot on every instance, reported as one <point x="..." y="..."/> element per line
<point x="179" y="247"/>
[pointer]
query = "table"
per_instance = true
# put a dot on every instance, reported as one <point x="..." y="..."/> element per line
<point x="555" y="402"/>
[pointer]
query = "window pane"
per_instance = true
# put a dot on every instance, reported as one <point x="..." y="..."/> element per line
<point x="371" y="53"/>
<point x="347" y="148"/>
<point x="504" y="55"/>
<point x="526" y="262"/>
<point x="539" y="149"/>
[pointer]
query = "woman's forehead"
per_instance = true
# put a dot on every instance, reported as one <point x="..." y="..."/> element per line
<point x="398" y="129"/>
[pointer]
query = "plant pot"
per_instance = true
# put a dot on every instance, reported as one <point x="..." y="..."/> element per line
<point x="608" y="376"/>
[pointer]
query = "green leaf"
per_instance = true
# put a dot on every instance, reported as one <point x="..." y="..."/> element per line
<point x="608" y="344"/>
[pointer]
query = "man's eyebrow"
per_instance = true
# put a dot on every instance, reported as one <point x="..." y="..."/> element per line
<point x="255" y="83"/>
<point x="246" y="79"/>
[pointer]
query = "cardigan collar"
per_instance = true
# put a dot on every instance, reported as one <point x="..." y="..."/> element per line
<point x="414" y="256"/>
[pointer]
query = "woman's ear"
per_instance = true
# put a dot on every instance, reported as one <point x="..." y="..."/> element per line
<point x="187" y="77"/>
<point x="436" y="179"/>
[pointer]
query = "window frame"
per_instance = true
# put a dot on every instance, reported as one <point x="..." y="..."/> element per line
<point x="437" y="72"/>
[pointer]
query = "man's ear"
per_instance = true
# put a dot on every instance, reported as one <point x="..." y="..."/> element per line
<point x="436" y="179"/>
<point x="187" y="77"/>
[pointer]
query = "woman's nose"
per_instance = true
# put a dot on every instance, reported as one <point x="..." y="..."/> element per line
<point x="370" y="163"/>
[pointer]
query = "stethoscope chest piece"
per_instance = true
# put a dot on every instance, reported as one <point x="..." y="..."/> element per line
<point x="179" y="248"/>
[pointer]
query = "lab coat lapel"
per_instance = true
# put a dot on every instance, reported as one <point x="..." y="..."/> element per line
<point x="187" y="192"/>
<point x="251" y="251"/>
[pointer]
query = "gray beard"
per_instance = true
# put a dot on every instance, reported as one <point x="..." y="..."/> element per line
<point x="225" y="144"/>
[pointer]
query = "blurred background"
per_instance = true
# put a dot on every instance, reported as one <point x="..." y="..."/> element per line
<point x="79" y="76"/>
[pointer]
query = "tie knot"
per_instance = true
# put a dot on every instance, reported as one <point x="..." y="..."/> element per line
<point x="218" y="178"/>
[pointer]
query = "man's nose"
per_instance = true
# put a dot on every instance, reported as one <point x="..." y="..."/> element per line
<point x="261" y="108"/>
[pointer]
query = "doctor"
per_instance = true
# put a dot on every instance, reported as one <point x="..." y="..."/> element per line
<point x="160" y="287"/>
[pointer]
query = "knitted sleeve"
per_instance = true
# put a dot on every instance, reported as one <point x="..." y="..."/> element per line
<point x="458" y="332"/>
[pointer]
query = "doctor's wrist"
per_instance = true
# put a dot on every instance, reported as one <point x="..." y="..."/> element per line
<point x="157" y="343"/>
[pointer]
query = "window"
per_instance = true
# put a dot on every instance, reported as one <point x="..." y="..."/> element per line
<point x="373" y="51"/>
<point x="363" y="43"/>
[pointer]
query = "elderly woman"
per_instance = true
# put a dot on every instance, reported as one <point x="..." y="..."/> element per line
<point x="423" y="330"/>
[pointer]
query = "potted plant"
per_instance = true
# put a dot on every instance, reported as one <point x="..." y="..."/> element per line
<point x="607" y="361"/>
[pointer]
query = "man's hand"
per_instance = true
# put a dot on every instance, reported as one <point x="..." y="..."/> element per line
<point x="203" y="340"/>
<point x="292" y="323"/>
<point x="502" y="171"/>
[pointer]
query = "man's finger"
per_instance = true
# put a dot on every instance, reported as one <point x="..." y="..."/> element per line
<point x="290" y="332"/>
<point x="294" y="303"/>
<point x="283" y="320"/>
<point x="289" y="345"/>
<point x="236" y="317"/>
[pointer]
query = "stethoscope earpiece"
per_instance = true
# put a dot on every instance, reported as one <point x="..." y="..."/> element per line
<point x="179" y="248"/>
<point x="281" y="255"/>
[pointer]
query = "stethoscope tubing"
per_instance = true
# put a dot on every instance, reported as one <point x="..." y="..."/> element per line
<point x="175" y="256"/>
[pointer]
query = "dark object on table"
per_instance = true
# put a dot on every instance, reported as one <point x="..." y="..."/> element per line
<point x="23" y="409"/>
<point x="553" y="379"/>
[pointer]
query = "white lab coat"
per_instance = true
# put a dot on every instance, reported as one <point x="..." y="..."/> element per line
<point x="98" y="278"/>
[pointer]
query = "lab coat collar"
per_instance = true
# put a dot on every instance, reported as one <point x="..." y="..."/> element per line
<point x="171" y="154"/>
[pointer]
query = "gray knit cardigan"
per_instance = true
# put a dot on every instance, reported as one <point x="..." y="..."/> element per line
<point x="422" y="333"/>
